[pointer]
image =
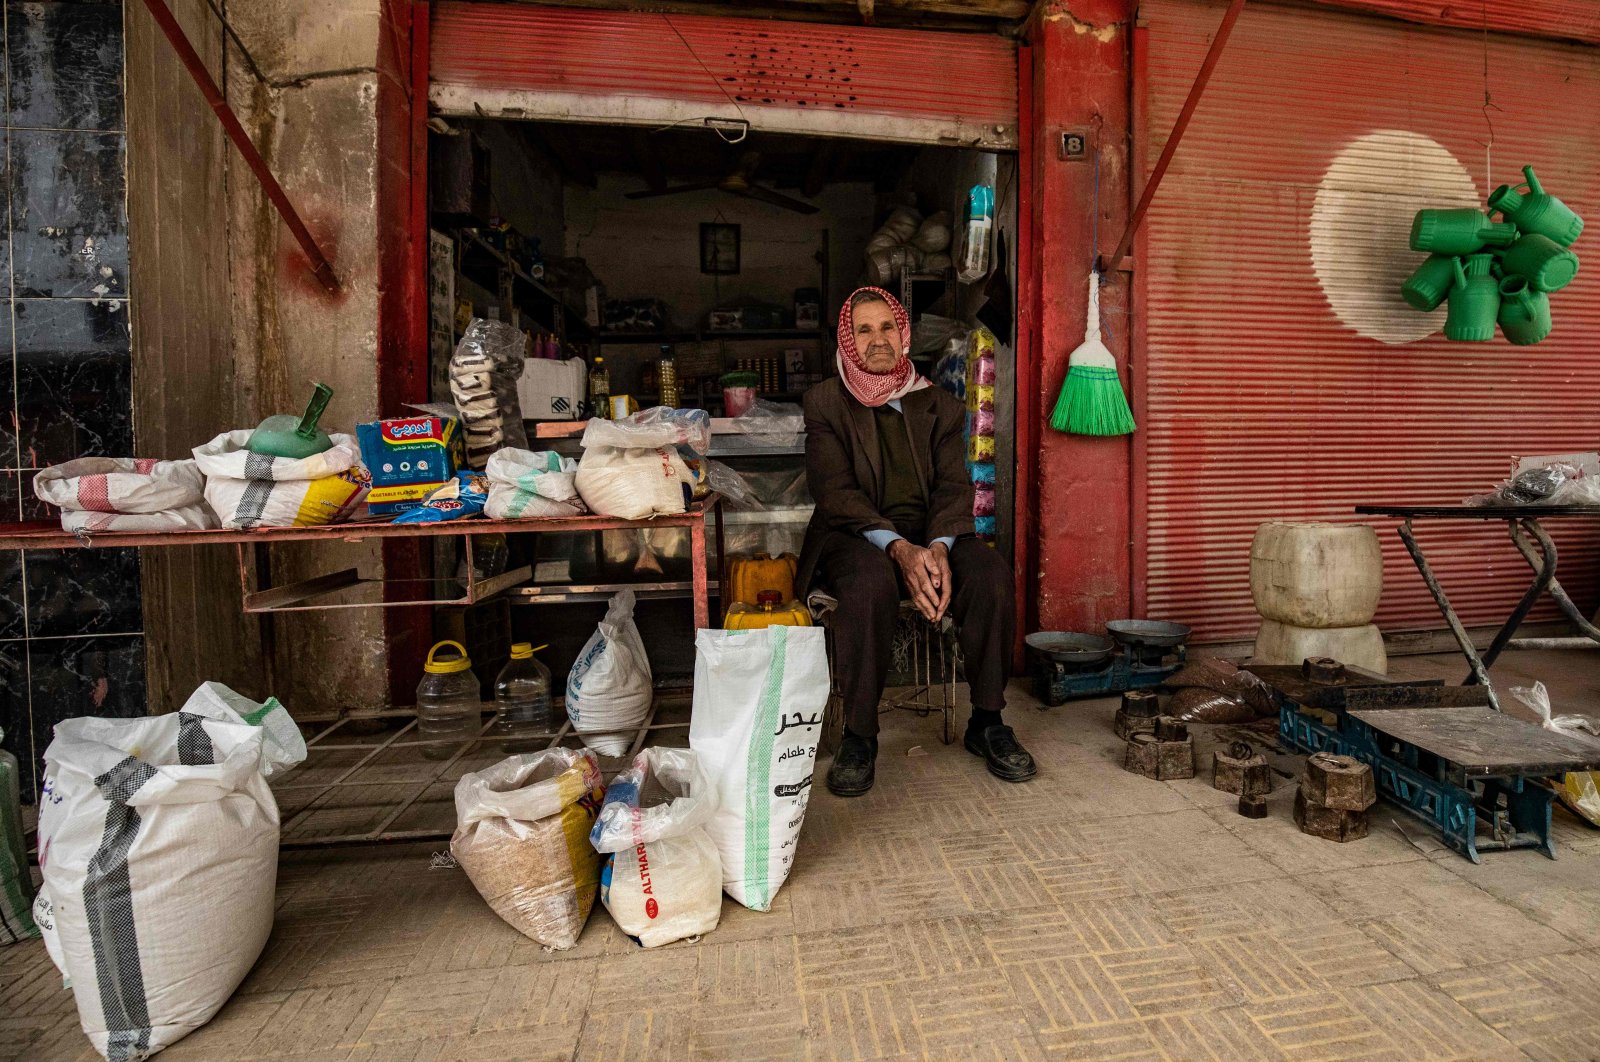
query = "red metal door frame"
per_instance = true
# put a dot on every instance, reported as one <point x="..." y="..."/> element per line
<point x="1028" y="417"/>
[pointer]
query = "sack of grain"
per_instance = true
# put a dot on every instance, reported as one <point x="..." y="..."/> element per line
<point x="609" y="687"/>
<point x="120" y="485"/>
<point x="663" y="879"/>
<point x="247" y="489"/>
<point x="522" y="836"/>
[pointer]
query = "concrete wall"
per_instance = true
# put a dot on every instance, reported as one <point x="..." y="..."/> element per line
<point x="307" y="93"/>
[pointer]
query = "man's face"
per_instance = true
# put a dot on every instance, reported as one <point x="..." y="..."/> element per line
<point x="877" y="336"/>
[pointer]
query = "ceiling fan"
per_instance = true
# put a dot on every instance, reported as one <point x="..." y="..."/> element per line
<point x="736" y="183"/>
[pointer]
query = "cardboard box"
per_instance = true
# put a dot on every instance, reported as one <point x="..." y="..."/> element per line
<point x="411" y="450"/>
<point x="399" y="498"/>
<point x="553" y="390"/>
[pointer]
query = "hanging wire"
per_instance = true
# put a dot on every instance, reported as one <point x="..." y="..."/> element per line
<point x="714" y="80"/>
<point x="1488" y="105"/>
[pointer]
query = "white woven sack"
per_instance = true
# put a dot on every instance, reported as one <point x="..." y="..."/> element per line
<point x="545" y="473"/>
<point x="158" y="842"/>
<point x="120" y="485"/>
<point x="514" y="503"/>
<point x="757" y="716"/>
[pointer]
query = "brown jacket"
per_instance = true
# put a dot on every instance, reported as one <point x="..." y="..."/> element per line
<point x="843" y="462"/>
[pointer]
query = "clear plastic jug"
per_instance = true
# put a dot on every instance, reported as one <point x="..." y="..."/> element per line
<point x="447" y="703"/>
<point x="522" y="701"/>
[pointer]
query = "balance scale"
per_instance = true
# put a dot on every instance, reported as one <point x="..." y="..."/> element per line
<point x="1138" y="654"/>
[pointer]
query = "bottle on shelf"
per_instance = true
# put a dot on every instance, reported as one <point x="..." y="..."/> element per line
<point x="522" y="701"/>
<point x="447" y="703"/>
<point x="667" y="376"/>
<point x="599" y="389"/>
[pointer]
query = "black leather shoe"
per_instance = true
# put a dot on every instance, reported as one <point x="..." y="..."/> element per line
<point x="998" y="746"/>
<point x="853" y="766"/>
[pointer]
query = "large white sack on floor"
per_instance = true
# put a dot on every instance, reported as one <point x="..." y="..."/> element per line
<point x="758" y="701"/>
<point x="120" y="485"/>
<point x="248" y="489"/>
<point x="522" y="836"/>
<point x="158" y="841"/>
<point x="663" y="880"/>
<point x="1316" y="574"/>
<point x="1284" y="643"/>
<point x="609" y="686"/>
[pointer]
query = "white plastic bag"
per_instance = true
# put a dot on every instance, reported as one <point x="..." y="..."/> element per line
<point x="189" y="518"/>
<point x="663" y="881"/>
<point x="545" y="473"/>
<point x="650" y="428"/>
<point x="120" y="485"/>
<point x="609" y="686"/>
<point x="248" y="489"/>
<point x="483" y="381"/>
<point x="16" y="881"/>
<point x="522" y="836"/>
<point x="633" y="484"/>
<point x="758" y="701"/>
<point x="1579" y="790"/>
<point x="158" y="840"/>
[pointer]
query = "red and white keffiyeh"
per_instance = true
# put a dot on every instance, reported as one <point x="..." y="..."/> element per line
<point x="873" y="389"/>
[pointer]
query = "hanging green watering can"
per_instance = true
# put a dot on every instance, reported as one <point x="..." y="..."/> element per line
<point x="1538" y="211"/>
<point x="297" y="437"/>
<point x="1426" y="288"/>
<point x="1462" y="230"/>
<point x="1545" y="264"/>
<point x="1474" y="301"/>
<point x="1524" y="313"/>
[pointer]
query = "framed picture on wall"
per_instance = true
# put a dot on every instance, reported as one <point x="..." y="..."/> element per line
<point x="719" y="248"/>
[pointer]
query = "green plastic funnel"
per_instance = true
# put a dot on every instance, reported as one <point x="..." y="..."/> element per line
<point x="287" y="435"/>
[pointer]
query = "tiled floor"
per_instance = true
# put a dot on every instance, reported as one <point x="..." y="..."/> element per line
<point x="1089" y="914"/>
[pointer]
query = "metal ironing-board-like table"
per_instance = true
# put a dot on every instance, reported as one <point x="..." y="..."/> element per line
<point x="1523" y="524"/>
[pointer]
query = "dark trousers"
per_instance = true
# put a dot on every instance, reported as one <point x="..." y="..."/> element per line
<point x="867" y="584"/>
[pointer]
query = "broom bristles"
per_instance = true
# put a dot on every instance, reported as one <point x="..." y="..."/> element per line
<point x="1092" y="403"/>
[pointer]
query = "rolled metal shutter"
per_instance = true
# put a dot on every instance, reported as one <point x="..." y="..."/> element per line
<point x="568" y="64"/>
<point x="1267" y="397"/>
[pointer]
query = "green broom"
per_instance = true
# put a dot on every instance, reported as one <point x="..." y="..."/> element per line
<point x="1091" y="401"/>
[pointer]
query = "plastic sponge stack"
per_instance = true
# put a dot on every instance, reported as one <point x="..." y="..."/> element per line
<point x="980" y="430"/>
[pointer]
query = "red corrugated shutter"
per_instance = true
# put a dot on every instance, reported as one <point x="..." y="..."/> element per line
<point x="647" y="68"/>
<point x="1263" y="402"/>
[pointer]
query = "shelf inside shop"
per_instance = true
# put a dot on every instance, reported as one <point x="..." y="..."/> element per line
<point x="564" y="594"/>
<point x="648" y="337"/>
<point x="576" y="326"/>
<point x="701" y="337"/>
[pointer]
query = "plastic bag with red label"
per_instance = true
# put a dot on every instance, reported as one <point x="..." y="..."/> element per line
<point x="663" y="880"/>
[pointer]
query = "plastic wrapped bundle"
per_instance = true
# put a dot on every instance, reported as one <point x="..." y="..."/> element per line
<point x="484" y="371"/>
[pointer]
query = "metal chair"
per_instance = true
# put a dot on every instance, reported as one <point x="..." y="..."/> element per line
<point x="926" y="656"/>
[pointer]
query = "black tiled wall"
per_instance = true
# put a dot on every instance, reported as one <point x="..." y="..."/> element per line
<point x="71" y="640"/>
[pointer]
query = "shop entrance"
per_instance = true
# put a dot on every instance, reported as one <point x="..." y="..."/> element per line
<point x="727" y="252"/>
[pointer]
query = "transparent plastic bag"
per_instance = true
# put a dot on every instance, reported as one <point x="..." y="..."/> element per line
<point x="483" y="381"/>
<point x="522" y="829"/>
<point x="1531" y="486"/>
<point x="1580" y="790"/>
<point x="731" y="485"/>
<point x="663" y="881"/>
<point x="650" y="428"/>
<point x="781" y="425"/>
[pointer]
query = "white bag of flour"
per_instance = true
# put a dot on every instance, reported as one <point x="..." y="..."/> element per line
<point x="158" y="840"/>
<point x="609" y="687"/>
<point x="758" y="701"/>
<point x="247" y="489"/>
<point x="663" y="880"/>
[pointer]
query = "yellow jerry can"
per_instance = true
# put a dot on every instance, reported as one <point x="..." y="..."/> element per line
<point x="751" y="575"/>
<point x="773" y="611"/>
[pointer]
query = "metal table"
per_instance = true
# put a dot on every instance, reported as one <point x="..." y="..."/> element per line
<point x="1522" y="523"/>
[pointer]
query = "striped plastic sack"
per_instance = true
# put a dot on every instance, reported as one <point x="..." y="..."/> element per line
<point x="758" y="702"/>
<point x="247" y="489"/>
<point x="158" y="840"/>
<point x="120" y="485"/>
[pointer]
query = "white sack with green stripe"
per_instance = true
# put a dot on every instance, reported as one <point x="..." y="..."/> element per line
<point x="526" y="485"/>
<point x="758" y="702"/>
<point x="158" y="840"/>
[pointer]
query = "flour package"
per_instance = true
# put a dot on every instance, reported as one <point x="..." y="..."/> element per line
<point x="522" y="836"/>
<point x="126" y="494"/>
<point x="247" y="489"/>
<point x="758" y="702"/>
<point x="609" y="686"/>
<point x="158" y="841"/>
<point x="663" y="879"/>
<point x="634" y="468"/>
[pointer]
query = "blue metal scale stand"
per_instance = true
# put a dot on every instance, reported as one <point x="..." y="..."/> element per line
<point x="1481" y="779"/>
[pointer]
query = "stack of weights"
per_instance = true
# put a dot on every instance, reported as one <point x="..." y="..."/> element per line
<point x="1316" y="587"/>
<point x="1495" y="272"/>
<point x="1335" y="793"/>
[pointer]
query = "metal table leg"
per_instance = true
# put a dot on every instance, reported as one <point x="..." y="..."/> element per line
<point x="697" y="561"/>
<point x="1544" y="574"/>
<point x="1562" y="600"/>
<point x="1480" y="671"/>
